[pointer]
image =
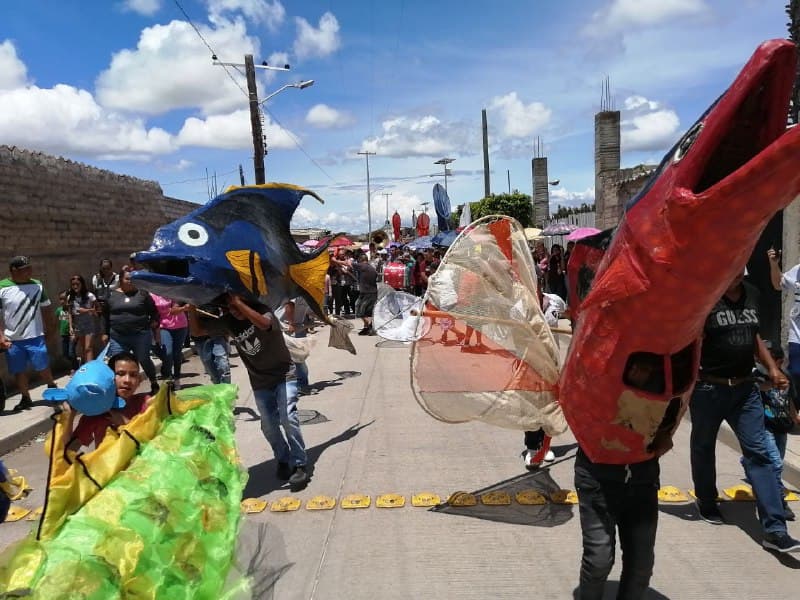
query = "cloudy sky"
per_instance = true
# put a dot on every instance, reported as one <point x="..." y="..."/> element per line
<point x="129" y="86"/>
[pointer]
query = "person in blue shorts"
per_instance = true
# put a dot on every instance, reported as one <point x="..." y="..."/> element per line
<point x="22" y="329"/>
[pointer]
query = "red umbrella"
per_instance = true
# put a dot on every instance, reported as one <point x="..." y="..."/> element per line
<point x="582" y="232"/>
<point x="340" y="241"/>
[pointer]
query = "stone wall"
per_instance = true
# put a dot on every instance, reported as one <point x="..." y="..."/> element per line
<point x="68" y="216"/>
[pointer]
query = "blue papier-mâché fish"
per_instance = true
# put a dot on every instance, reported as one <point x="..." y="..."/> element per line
<point x="92" y="389"/>
<point x="238" y="243"/>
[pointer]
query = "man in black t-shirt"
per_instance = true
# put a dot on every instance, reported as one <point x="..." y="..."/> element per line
<point x="255" y="332"/>
<point x="726" y="390"/>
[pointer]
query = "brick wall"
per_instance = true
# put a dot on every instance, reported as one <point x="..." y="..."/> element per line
<point x="68" y="216"/>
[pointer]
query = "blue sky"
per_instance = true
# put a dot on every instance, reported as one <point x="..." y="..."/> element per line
<point x="129" y="86"/>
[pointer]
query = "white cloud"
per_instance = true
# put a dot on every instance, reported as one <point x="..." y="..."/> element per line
<point x="321" y="42"/>
<point x="142" y="7"/>
<point x="65" y="119"/>
<point x="426" y="136"/>
<point x="171" y="68"/>
<point x="231" y="131"/>
<point x="325" y="117"/>
<point x="620" y="15"/>
<point x="13" y="73"/>
<point x="519" y="119"/>
<point x="647" y="125"/>
<point x="271" y="14"/>
<point x="561" y="196"/>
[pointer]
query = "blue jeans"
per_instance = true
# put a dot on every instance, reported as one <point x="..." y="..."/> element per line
<point x="278" y="407"/>
<point x="213" y="352"/>
<point x="741" y="407"/>
<point x="137" y="343"/>
<point x="173" y="340"/>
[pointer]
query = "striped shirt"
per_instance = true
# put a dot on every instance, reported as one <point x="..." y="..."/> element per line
<point x="20" y="306"/>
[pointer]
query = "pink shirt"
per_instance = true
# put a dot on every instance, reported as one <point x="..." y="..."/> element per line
<point x="166" y="320"/>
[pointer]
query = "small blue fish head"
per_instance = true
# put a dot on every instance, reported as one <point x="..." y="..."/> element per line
<point x="91" y="391"/>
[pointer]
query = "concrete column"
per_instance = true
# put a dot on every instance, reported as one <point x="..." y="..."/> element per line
<point x="541" y="194"/>
<point x="606" y="165"/>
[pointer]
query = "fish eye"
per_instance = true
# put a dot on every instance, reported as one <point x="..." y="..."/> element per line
<point x="192" y="234"/>
<point x="687" y="141"/>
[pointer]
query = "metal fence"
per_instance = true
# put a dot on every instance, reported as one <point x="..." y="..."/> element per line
<point x="580" y="220"/>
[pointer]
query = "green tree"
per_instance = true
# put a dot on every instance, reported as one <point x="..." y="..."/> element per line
<point x="515" y="205"/>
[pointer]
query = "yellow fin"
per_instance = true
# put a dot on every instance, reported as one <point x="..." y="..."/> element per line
<point x="310" y="275"/>
<point x="248" y="265"/>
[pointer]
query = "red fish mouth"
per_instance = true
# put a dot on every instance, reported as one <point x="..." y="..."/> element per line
<point x="745" y="122"/>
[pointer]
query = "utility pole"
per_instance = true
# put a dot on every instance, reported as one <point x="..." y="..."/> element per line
<point x="386" y="196"/>
<point x="255" y="120"/>
<point x="508" y="172"/>
<point x="485" y="128"/>
<point x="366" y="154"/>
<point x="241" y="174"/>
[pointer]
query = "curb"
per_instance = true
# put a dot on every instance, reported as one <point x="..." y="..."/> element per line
<point x="21" y="437"/>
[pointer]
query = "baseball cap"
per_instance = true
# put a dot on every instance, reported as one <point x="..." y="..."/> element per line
<point x="19" y="262"/>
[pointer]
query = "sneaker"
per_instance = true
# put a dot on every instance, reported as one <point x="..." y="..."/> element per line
<point x="533" y="458"/>
<point x="710" y="513"/>
<point x="549" y="456"/>
<point x="364" y="331"/>
<point x="780" y="542"/>
<point x="176" y="384"/>
<point x="299" y="477"/>
<point x="25" y="403"/>
<point x="284" y="472"/>
<point x="788" y="512"/>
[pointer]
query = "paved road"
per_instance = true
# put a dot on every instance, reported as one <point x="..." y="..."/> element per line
<point x="371" y="438"/>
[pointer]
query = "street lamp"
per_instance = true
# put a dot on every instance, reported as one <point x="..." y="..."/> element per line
<point x="444" y="162"/>
<point x="301" y="85"/>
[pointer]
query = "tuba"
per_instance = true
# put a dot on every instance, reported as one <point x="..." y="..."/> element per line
<point x="380" y="238"/>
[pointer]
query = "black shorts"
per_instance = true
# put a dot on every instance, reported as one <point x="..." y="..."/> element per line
<point x="365" y="304"/>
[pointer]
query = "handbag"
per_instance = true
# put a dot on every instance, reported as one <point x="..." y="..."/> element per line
<point x="299" y="348"/>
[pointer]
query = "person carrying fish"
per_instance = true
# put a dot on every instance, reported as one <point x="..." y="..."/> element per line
<point x="257" y="335"/>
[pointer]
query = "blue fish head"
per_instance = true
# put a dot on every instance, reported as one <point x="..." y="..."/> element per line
<point x="239" y="243"/>
<point x="91" y="391"/>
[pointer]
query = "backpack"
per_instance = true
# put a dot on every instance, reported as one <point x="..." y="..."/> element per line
<point x="777" y="414"/>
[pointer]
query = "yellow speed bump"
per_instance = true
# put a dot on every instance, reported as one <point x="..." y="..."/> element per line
<point x="791" y="496"/>
<point x="669" y="493"/>
<point x="15" y="513"/>
<point x="425" y="499"/>
<point x="462" y="499"/>
<point x="253" y="505"/>
<point x="321" y="503"/>
<point x="390" y="501"/>
<point x="285" y="504"/>
<point x="496" y="498"/>
<point x="564" y="497"/>
<point x="694" y="495"/>
<point x="355" y="501"/>
<point x="530" y="498"/>
<point x="34" y="514"/>
<point x="740" y="493"/>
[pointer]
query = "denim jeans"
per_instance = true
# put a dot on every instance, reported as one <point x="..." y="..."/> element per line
<point x="137" y="343"/>
<point x="278" y="408"/>
<point x="612" y="497"/>
<point x="741" y="407"/>
<point x="776" y="448"/>
<point x="173" y="340"/>
<point x="213" y="352"/>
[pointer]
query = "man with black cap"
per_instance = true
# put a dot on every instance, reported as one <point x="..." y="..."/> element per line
<point x="22" y="334"/>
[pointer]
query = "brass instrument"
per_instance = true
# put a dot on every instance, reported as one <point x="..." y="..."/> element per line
<point x="380" y="238"/>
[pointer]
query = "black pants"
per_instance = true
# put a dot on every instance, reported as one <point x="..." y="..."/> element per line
<point x="612" y="497"/>
<point x="534" y="439"/>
